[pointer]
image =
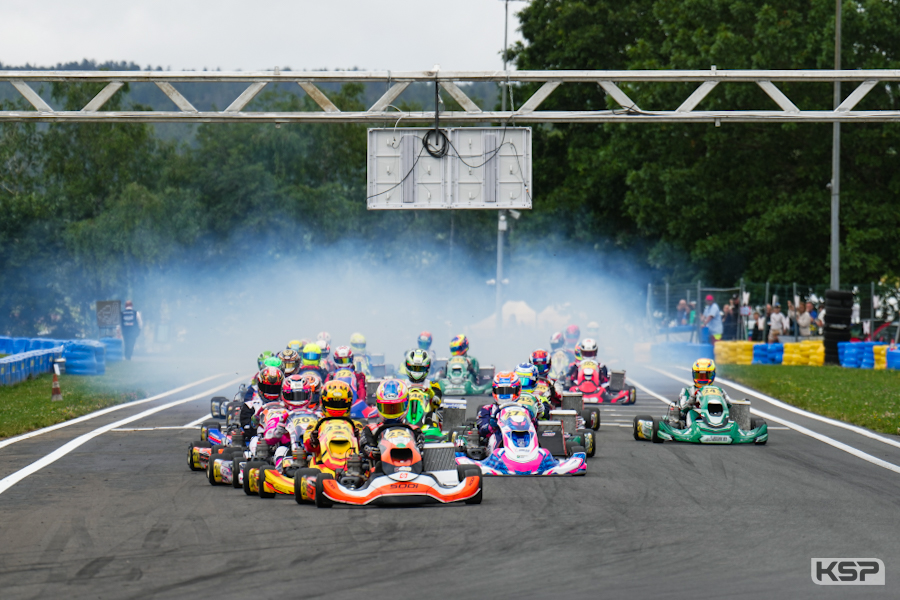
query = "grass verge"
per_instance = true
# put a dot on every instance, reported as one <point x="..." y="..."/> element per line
<point x="26" y="406"/>
<point x="859" y="396"/>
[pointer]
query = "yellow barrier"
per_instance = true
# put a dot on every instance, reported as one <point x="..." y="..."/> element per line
<point x="734" y="353"/>
<point x="880" y="356"/>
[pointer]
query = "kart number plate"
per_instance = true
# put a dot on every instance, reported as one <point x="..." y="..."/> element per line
<point x="715" y="439"/>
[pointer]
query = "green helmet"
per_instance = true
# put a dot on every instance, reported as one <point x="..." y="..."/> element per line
<point x="417" y="364"/>
<point x="261" y="359"/>
<point x="273" y="361"/>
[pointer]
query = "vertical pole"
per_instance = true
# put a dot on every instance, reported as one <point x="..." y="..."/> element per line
<point x="765" y="339"/>
<point x="796" y="302"/>
<point x="501" y="227"/>
<point x="872" y="316"/>
<point x="742" y="321"/>
<point x="451" y="236"/>
<point x="667" y="311"/>
<point x="505" y="30"/>
<point x="699" y="312"/>
<point x="836" y="162"/>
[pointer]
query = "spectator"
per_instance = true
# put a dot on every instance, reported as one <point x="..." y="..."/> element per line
<point x="820" y="317"/>
<point x="811" y="311"/>
<point x="778" y="324"/>
<point x="792" y="318"/>
<point x="729" y="323"/>
<point x="759" y="325"/>
<point x="131" y="327"/>
<point x="682" y="313"/>
<point x="692" y="314"/>
<point x="712" y="318"/>
<point x="804" y="320"/>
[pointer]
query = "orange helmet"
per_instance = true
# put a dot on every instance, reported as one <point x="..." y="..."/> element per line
<point x="337" y="397"/>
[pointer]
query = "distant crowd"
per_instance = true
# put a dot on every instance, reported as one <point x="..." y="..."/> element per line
<point x="724" y="324"/>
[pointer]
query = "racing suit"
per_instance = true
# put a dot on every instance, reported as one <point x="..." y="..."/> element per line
<point x="486" y="421"/>
<point x="432" y="391"/>
<point x="317" y="369"/>
<point x="360" y="380"/>
<point x="249" y="421"/>
<point x="371" y="434"/>
<point x="553" y="396"/>
<point x="689" y="398"/>
<point x="572" y="374"/>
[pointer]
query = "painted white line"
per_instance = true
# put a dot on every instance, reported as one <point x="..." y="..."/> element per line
<point x="854" y="428"/>
<point x="10" y="480"/>
<point x="102" y="412"/>
<point x="151" y="428"/>
<point x="615" y="425"/>
<point x="649" y="391"/>
<point x="198" y="421"/>
<point x="809" y="432"/>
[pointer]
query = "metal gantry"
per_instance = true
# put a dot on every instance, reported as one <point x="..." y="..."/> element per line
<point x="782" y="109"/>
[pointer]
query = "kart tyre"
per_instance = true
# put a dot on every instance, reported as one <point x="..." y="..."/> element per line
<point x="574" y="449"/>
<point x="832" y="312"/>
<point x="474" y="470"/>
<point x="754" y="424"/>
<point x="632" y="394"/>
<point x="588" y="441"/>
<point x="654" y="437"/>
<point x="207" y="425"/>
<point x="299" y="474"/>
<point x="210" y="470"/>
<point x="591" y="416"/>
<point x="190" y="454"/>
<point x="216" y="404"/>
<point x="321" y="500"/>
<point x="461" y="471"/>
<point x="245" y="473"/>
<point x="262" y="479"/>
<point x="236" y="470"/>
<point x="634" y="425"/>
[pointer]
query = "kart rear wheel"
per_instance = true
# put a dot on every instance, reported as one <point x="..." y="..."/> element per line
<point x="588" y="441"/>
<point x="245" y="473"/>
<point x="236" y="461"/>
<point x="216" y="404"/>
<point x="210" y="472"/>
<point x="654" y="437"/>
<point x="262" y="480"/>
<point x="321" y="500"/>
<point x="190" y="454"/>
<point x="474" y="470"/>
<point x="207" y="425"/>
<point x="632" y="394"/>
<point x="591" y="416"/>
<point x="299" y="474"/>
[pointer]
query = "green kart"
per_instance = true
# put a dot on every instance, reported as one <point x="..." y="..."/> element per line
<point x="711" y="423"/>
<point x="459" y="382"/>
<point x="422" y="415"/>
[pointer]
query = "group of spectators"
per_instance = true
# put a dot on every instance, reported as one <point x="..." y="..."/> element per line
<point x="803" y="320"/>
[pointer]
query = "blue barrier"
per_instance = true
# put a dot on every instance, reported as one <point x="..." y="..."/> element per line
<point x="16" y="368"/>
<point x="115" y="349"/>
<point x="680" y="352"/>
<point x="893" y="359"/>
<point x="5" y="345"/>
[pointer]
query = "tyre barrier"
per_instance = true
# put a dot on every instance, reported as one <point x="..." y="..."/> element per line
<point x="115" y="349"/>
<point x="19" y="367"/>
<point x="863" y="355"/>
<point x="892" y="359"/>
<point x="735" y="353"/>
<point x="85" y="357"/>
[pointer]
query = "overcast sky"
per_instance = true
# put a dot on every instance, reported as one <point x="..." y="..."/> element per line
<point x="260" y="34"/>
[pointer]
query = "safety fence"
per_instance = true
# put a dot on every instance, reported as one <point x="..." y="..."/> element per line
<point x="30" y="357"/>
<point x="856" y="355"/>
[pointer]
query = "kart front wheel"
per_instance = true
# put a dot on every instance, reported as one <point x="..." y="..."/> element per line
<point x="588" y="441"/>
<point x="654" y="437"/>
<point x="575" y="449"/>
<point x="321" y="500"/>
<point x="636" y="427"/>
<point x="245" y="473"/>
<point x="591" y="416"/>
<point x="299" y="474"/>
<point x="192" y="464"/>
<point x="236" y="461"/>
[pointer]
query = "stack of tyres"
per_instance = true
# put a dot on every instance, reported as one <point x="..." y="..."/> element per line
<point x="776" y="354"/>
<point x="115" y="349"/>
<point x="892" y="359"/>
<point x="838" y="310"/>
<point x="760" y="354"/>
<point x="82" y="358"/>
<point x="5" y="345"/>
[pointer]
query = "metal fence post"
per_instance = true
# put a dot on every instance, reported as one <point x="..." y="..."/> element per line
<point x="742" y="323"/>
<point x="766" y="327"/>
<point x="872" y="315"/>
<point x="667" y="311"/>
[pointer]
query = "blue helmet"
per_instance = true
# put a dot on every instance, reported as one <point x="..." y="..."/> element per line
<point x="528" y="376"/>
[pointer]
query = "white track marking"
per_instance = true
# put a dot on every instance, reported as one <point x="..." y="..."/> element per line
<point x="854" y="428"/>
<point x="198" y="421"/>
<point x="102" y="412"/>
<point x="151" y="428"/>
<point x="649" y="391"/>
<point x="10" y="480"/>
<point x="808" y="432"/>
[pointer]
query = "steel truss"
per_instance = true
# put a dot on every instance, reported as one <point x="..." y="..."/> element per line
<point x="396" y="82"/>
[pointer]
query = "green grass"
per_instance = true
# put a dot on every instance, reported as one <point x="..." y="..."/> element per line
<point x="863" y="397"/>
<point x="26" y="406"/>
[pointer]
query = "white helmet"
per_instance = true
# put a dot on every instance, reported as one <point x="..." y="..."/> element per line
<point x="588" y="348"/>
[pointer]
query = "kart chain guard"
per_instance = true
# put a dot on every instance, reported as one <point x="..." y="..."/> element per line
<point x="616" y="381"/>
<point x="439" y="457"/>
<point x="550" y="437"/>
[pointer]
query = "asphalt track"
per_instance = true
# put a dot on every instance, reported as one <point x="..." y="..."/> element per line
<point x="121" y="516"/>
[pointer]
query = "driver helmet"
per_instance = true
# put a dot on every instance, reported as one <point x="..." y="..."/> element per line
<point x="324" y="335"/>
<point x="273" y="361"/>
<point x="300" y="391"/>
<point x="588" y="348"/>
<point x="290" y="359"/>
<point x="417" y="364"/>
<point x="343" y="356"/>
<point x="324" y="347"/>
<point x="425" y="340"/>
<point x="540" y="358"/>
<point x="261" y="359"/>
<point x="459" y="345"/>
<point x="527" y="374"/>
<point x="572" y="335"/>
<point x="358" y="343"/>
<point x="337" y="398"/>
<point x="505" y="387"/>
<point x="269" y="383"/>
<point x="391" y="399"/>
<point x="311" y="355"/>
<point x="704" y="371"/>
<point x="556" y="341"/>
<point x="295" y="345"/>
<point x="577" y="352"/>
<point x="531" y="403"/>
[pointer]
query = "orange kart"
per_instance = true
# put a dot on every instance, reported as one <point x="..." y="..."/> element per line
<point x="399" y="478"/>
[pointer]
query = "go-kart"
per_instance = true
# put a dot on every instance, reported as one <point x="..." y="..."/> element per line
<point x="423" y="416"/>
<point x="519" y="453"/>
<point x="398" y="478"/>
<point x="709" y="423"/>
<point x="587" y="381"/>
<point x="459" y="381"/>
<point x="560" y="361"/>
<point x="338" y="441"/>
